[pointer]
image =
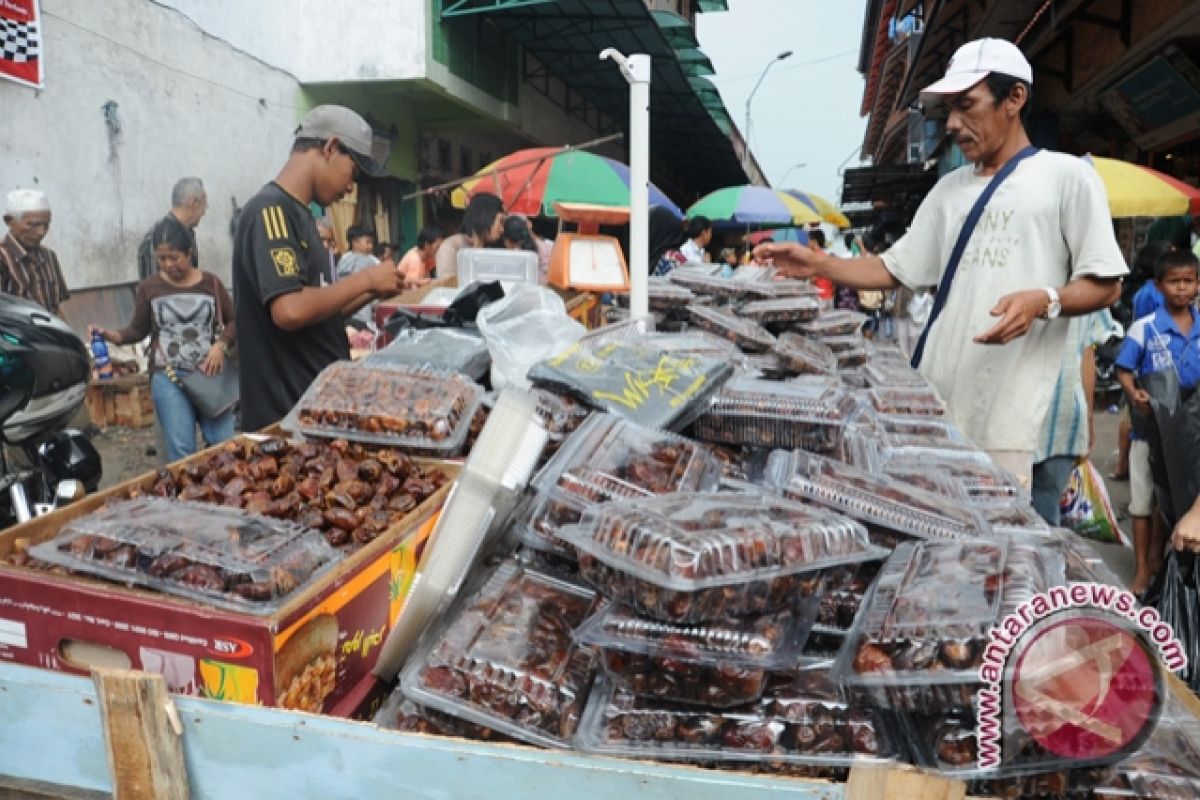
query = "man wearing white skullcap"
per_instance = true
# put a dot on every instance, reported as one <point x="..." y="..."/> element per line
<point x="26" y="268"/>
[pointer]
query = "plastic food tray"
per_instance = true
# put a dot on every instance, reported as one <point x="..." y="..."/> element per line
<point x="810" y="412"/>
<point x="610" y="458"/>
<point x="746" y="334"/>
<point x="488" y="264"/>
<point x="720" y="664"/>
<point x="784" y="309"/>
<point x="507" y="660"/>
<point x="698" y="557"/>
<point x="693" y="342"/>
<point x="785" y="727"/>
<point x="1017" y="515"/>
<point x="778" y="289"/>
<point x="216" y="555"/>
<point x="411" y="407"/>
<point x="663" y="295"/>
<point x="982" y="481"/>
<point x="907" y="401"/>
<point x="398" y="713"/>
<point x="888" y="373"/>
<point x="918" y="642"/>
<point x="440" y="348"/>
<point x="851" y="359"/>
<point x="841" y="594"/>
<point x="805" y="356"/>
<point x="845" y="343"/>
<point x="695" y="280"/>
<point x="835" y="323"/>
<point x="875" y="500"/>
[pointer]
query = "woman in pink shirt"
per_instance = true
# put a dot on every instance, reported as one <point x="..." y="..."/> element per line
<point x="419" y="263"/>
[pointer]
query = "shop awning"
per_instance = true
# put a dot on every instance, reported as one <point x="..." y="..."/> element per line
<point x="712" y="5"/>
<point x="692" y="152"/>
<point x="887" y="182"/>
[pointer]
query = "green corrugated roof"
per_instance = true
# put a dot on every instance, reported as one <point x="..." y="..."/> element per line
<point x="712" y="5"/>
<point x="694" y="63"/>
<point x="678" y="32"/>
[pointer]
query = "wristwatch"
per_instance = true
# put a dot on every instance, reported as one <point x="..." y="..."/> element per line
<point x="224" y="347"/>
<point x="1055" y="308"/>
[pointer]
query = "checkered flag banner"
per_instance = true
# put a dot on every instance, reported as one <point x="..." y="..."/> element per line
<point x="21" y="42"/>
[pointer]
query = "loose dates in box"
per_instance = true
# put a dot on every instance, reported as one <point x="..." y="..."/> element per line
<point x="350" y="492"/>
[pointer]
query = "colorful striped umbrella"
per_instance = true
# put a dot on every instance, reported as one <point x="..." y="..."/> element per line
<point x="753" y="205"/>
<point x="828" y="211"/>
<point x="1137" y="191"/>
<point x="531" y="181"/>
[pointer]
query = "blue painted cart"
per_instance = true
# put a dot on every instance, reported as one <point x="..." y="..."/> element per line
<point x="51" y="732"/>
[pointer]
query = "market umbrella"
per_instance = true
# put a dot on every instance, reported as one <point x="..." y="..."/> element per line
<point x="531" y="181"/>
<point x="1137" y="191"/>
<point x="798" y="235"/>
<point x="753" y="205"/>
<point x="828" y="211"/>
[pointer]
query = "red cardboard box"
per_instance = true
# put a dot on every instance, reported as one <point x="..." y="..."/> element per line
<point x="315" y="654"/>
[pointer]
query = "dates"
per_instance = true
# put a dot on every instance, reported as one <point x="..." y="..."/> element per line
<point x="810" y="413"/>
<point x="408" y="406"/>
<point x="745" y="333"/>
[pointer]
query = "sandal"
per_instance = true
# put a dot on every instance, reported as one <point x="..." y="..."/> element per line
<point x="1118" y="477"/>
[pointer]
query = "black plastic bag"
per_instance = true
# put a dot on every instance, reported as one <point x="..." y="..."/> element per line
<point x="466" y="306"/>
<point x="1174" y="443"/>
<point x="1179" y="607"/>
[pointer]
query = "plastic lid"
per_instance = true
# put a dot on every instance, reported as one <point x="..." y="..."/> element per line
<point x="835" y="323"/>
<point x="783" y="309"/>
<point x="805" y="354"/>
<point x="873" y="499"/>
<point x="773" y="289"/>
<point x="488" y="264"/>
<point x="217" y="555"/>
<point x="633" y="329"/>
<point x="786" y="726"/>
<point x="405" y="406"/>
<point x="689" y="541"/>
<point x="692" y="342"/>
<point x="745" y="333"/>
<point x="885" y="372"/>
<point x="1012" y="515"/>
<point x="609" y="457"/>
<point x="809" y="412"/>
<point x="981" y="479"/>
<point x="907" y="401"/>
<point x="697" y="281"/>
<point x="772" y="641"/>
<point x="662" y="295"/>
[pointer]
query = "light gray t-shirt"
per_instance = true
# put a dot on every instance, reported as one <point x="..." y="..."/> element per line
<point x="349" y="264"/>
<point x="1047" y="224"/>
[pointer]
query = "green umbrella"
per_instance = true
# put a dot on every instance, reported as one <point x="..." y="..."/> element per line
<point x="753" y="205"/>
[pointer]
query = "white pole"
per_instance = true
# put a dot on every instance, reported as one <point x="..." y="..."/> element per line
<point x="636" y="69"/>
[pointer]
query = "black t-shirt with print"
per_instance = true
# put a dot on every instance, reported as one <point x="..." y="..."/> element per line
<point x="277" y="250"/>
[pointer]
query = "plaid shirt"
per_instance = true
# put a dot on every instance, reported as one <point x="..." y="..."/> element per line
<point x="32" y="274"/>
<point x="1065" y="429"/>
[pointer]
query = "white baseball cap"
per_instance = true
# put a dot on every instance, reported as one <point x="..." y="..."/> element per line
<point x="975" y="60"/>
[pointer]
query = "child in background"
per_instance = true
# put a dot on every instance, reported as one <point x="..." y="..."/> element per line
<point x="729" y="261"/>
<point x="1167" y="339"/>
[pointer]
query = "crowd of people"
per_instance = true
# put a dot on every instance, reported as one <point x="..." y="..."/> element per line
<point x="1019" y="245"/>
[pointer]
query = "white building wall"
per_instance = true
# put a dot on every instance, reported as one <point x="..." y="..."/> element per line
<point x="321" y="41"/>
<point x="185" y="104"/>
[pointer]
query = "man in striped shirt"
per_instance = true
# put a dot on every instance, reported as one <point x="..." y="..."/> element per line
<point x="26" y="268"/>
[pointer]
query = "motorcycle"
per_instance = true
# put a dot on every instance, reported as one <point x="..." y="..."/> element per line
<point x="44" y="370"/>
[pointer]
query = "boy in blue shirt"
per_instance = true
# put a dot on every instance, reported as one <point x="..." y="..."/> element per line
<point x="1167" y="339"/>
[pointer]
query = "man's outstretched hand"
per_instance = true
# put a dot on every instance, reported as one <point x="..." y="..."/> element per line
<point x="792" y="259"/>
<point x="1017" y="312"/>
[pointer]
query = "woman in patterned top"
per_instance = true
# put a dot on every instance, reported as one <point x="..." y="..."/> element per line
<point x="182" y="308"/>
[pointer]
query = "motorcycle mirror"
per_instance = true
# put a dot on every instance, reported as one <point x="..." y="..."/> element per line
<point x="68" y="491"/>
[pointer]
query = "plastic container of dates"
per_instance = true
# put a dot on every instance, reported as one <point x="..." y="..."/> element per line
<point x="982" y="480"/>
<point x="888" y="373"/>
<point x="698" y="557"/>
<point x="698" y="282"/>
<point x="692" y="343"/>
<point x="851" y="359"/>
<point x="846" y="343"/>
<point x="804" y="355"/>
<point x="786" y="726"/>
<point x="783" y="309"/>
<point x="884" y="504"/>
<point x="841" y="594"/>
<point x="835" y="323"/>
<point x="401" y="406"/>
<point x="398" y="713"/>
<point x="450" y="349"/>
<point x="663" y="295"/>
<point x="778" y="289"/>
<point x="610" y="458"/>
<point x="907" y="401"/>
<point x="810" y="412"/>
<point x="918" y="643"/>
<point x="506" y="659"/>
<point x="718" y="664"/>
<point x="215" y="555"/>
<point x="746" y="334"/>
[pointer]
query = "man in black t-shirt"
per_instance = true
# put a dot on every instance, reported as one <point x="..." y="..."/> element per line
<point x="290" y="327"/>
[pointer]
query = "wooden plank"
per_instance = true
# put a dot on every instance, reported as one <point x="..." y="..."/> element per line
<point x="890" y="782"/>
<point x="11" y="789"/>
<point x="141" y="736"/>
<point x="50" y="730"/>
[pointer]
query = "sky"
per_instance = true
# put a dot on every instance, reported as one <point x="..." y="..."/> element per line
<point x="806" y="110"/>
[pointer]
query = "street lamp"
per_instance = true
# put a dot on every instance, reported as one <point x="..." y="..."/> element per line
<point x="766" y="69"/>
<point x="783" y="180"/>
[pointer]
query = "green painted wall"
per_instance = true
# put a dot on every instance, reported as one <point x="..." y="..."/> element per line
<point x="474" y="49"/>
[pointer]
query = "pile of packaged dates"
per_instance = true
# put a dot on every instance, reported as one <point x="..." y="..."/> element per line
<point x="802" y="579"/>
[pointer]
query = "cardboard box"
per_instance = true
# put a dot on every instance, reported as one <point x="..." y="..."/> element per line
<point x="316" y="653"/>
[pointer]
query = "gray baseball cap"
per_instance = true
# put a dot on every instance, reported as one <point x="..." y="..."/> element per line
<point x="329" y="122"/>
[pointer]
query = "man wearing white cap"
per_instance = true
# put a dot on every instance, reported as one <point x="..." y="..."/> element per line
<point x="1016" y="242"/>
<point x="26" y="268"/>
<point x="290" y="326"/>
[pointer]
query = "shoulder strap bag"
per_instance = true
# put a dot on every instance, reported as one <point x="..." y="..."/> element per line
<point x="964" y="236"/>
<point x="212" y="395"/>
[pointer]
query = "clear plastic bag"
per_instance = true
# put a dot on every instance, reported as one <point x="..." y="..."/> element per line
<point x="526" y="327"/>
